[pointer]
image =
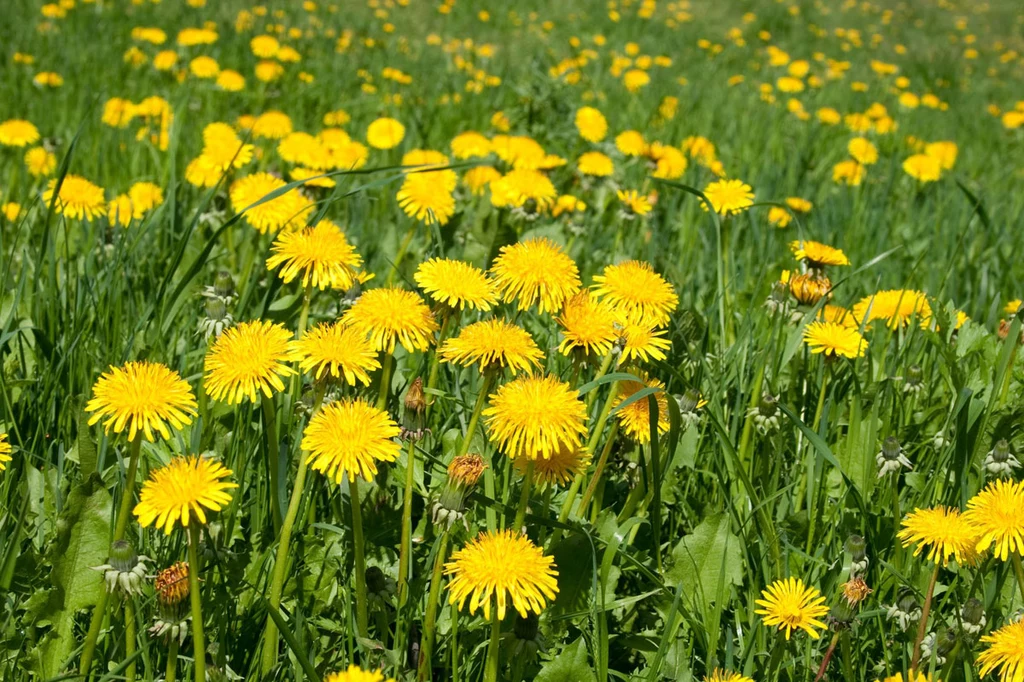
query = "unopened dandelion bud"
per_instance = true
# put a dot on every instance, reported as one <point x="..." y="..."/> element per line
<point x="905" y="612"/>
<point x="412" y="416"/>
<point x="224" y="285"/>
<point x="463" y="473"/>
<point x="689" y="402"/>
<point x="890" y="458"/>
<point x="840" y="617"/>
<point x="914" y="380"/>
<point x="526" y="637"/>
<point x="972" y="616"/>
<point x="766" y="414"/>
<point x="999" y="462"/>
<point x="125" y="570"/>
<point x="216" y="318"/>
<point x="857" y="547"/>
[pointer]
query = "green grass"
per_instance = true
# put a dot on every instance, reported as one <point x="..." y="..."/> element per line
<point x="658" y="579"/>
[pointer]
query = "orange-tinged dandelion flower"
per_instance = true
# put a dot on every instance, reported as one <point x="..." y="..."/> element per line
<point x="943" y="531"/>
<point x="500" y="566"/>
<point x="791" y="605"/>
<point x="348" y="438"/>
<point x="534" y="416"/>
<point x="337" y="349"/>
<point x="493" y="343"/>
<point x="390" y="314"/>
<point x="536" y="271"/>
<point x="246" y="360"/>
<point x="142" y="396"/>
<point x="321" y="254"/>
<point x="183" y="490"/>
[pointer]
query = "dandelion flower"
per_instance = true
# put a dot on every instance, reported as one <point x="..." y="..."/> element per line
<point x="469" y="145"/>
<point x="848" y="172"/>
<point x="348" y="438"/>
<point x="718" y="675"/>
<point x="427" y="196"/>
<point x="144" y="396"/>
<point x="943" y="530"/>
<point x="503" y="565"/>
<point x="863" y="151"/>
<point x="526" y="189"/>
<point x="5" y="451"/>
<point x="493" y="343"/>
<point x="591" y="124"/>
<point x="247" y="359"/>
<point x="536" y="271"/>
<point x="895" y="306"/>
<point x="634" y="203"/>
<point x="596" y="164"/>
<point x="944" y="151"/>
<point x="391" y="314"/>
<point x="911" y="677"/>
<point x="791" y="605"/>
<point x="728" y="197"/>
<point x="357" y="674"/>
<point x="385" y="133"/>
<point x="338" y="349"/>
<point x="635" y="417"/>
<point x="561" y="468"/>
<point x="642" y="342"/>
<point x="320" y="253"/>
<point x="832" y="338"/>
<point x="1005" y="653"/>
<point x="18" y="133"/>
<point x="181" y="490"/>
<point x="77" y="199"/>
<point x="534" y="416"/>
<point x="997" y="516"/>
<point x="923" y="167"/>
<point x="631" y="143"/>
<point x="285" y="210"/>
<point x="40" y="162"/>
<point x="456" y="284"/>
<point x="634" y="288"/>
<point x="588" y="325"/>
<point x="818" y="255"/>
<point x="271" y="125"/>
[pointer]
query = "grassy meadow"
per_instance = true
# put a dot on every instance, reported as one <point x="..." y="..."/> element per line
<point x="567" y="341"/>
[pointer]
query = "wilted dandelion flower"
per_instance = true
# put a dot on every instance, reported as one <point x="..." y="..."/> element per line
<point x="895" y="306"/>
<point x="635" y="289"/>
<point x="77" y="199"/>
<point x="591" y="124"/>
<point x="390" y="314"/>
<point x="491" y="344"/>
<point x="834" y="339"/>
<point x="503" y="566"/>
<point x="348" y="438"/>
<point x="587" y="324"/>
<point x="385" y="133"/>
<point x="534" y="416"/>
<point x="728" y="197"/>
<point x="337" y="349"/>
<point x="538" y="271"/>
<point x="818" y="255"/>
<point x="791" y="605"/>
<point x="181" y="490"/>
<point x="635" y="417"/>
<point x="561" y="468"/>
<point x="321" y="254"/>
<point x="248" y="359"/>
<point x="456" y="284"/>
<point x="17" y="132"/>
<point x="943" y="531"/>
<point x="890" y="459"/>
<point x="357" y="674"/>
<point x="997" y="516"/>
<point x="5" y="451"/>
<point x="1005" y="653"/>
<point x="143" y="396"/>
<point x="289" y="209"/>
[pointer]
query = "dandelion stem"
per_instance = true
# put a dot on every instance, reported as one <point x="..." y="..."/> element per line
<point x="923" y="626"/>
<point x="491" y="669"/>
<point x="307" y="296"/>
<point x="405" y="552"/>
<point x="129" y="637"/>
<point x="360" y="558"/>
<point x="430" y="617"/>
<point x="599" y="469"/>
<point x="1019" y="570"/>
<point x="385" y="379"/>
<point x="524" y="497"/>
<point x="481" y="400"/>
<point x="435" y="363"/>
<point x="828" y="657"/>
<point x="172" y="661"/>
<point x="273" y="457"/>
<point x="198" y="642"/>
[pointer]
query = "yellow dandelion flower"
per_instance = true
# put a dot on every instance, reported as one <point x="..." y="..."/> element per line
<point x="895" y="306"/>
<point x="5" y="451"/>
<point x="634" y="202"/>
<point x="923" y="167"/>
<point x="144" y="396"/>
<point x="469" y="145"/>
<point x="718" y="675"/>
<point x="588" y="324"/>
<point x="390" y="314"/>
<point x="944" y="151"/>
<point x="348" y="438"/>
<point x="524" y="188"/>
<point x="248" y="359"/>
<point x="338" y="349"/>
<point x="591" y="124"/>
<point x="560" y="469"/>
<point x="832" y="338"/>
<point x="181" y="490"/>
<point x="538" y="271"/>
<point x="1005" y="653"/>
<point x="385" y="133"/>
<point x="40" y="162"/>
<point x="491" y="344"/>
<point x="502" y="566"/>
<point x="534" y="416"/>
<point x="635" y="418"/>
<point x="862" y="150"/>
<point x="596" y="164"/>
<point x="635" y="289"/>
<point x="728" y="197"/>
<point x="911" y="677"/>
<point x="321" y="254"/>
<point x="631" y="143"/>
<point x="669" y="162"/>
<point x="943" y="530"/>
<point x="456" y="284"/>
<point x="119" y="210"/>
<point x="271" y="125"/>
<point x="17" y="132"/>
<point x="642" y="342"/>
<point x="145" y="196"/>
<point x="357" y="674"/>
<point x="427" y="196"/>
<point x="479" y="178"/>
<point x="997" y="516"/>
<point x="791" y="605"/>
<point x="1013" y="306"/>
<point x="77" y="198"/>
<point x="848" y="172"/>
<point x="818" y="255"/>
<point x="249" y="195"/>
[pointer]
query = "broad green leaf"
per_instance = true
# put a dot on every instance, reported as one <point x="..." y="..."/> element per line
<point x="568" y="666"/>
<point x="707" y="560"/>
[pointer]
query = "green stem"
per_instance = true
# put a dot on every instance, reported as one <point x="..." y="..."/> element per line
<point x="423" y="671"/>
<point x="435" y="364"/>
<point x="524" y="497"/>
<point x="481" y="400"/>
<point x="599" y="469"/>
<point x="273" y="457"/>
<point x="923" y="626"/>
<point x="387" y="365"/>
<point x="405" y="552"/>
<point x="603" y="418"/>
<point x="198" y="641"/>
<point x="491" y="669"/>
<point x="307" y="296"/>
<point x="129" y="637"/>
<point x="401" y="253"/>
<point x="605" y="364"/>
<point x="172" y="661"/>
<point x="1019" y="570"/>
<point x="362" y="625"/>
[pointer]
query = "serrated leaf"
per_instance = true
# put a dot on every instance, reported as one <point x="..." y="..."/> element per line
<point x="569" y="666"/>
<point x="707" y="560"/>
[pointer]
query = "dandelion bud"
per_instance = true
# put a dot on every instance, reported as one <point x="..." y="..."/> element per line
<point x="972" y="616"/>
<point x="840" y="617"/>
<point x="914" y="381"/>
<point x="224" y="285"/>
<point x="463" y="473"/>
<point x="526" y="640"/>
<point x="415" y="404"/>
<point x="125" y="570"/>
<point x="891" y="458"/>
<point x="940" y="644"/>
<point x="766" y="414"/>
<point x="906" y="611"/>
<point x="809" y="288"/>
<point x="999" y="462"/>
<point x="689" y="403"/>
<point x="216" y="318"/>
